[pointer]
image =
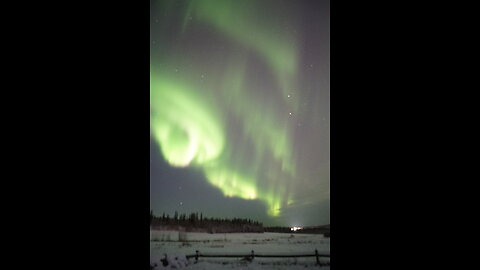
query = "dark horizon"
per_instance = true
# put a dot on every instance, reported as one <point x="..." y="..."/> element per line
<point x="171" y="215"/>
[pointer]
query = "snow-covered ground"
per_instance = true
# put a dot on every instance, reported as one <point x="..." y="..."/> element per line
<point x="167" y="242"/>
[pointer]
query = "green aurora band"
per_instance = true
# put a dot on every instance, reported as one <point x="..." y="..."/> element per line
<point x="187" y="131"/>
<point x="192" y="118"/>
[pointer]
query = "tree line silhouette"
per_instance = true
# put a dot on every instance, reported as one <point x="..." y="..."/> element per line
<point x="324" y="229"/>
<point x="196" y="222"/>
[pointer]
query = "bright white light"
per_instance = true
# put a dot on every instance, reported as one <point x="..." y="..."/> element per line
<point x="295" y="228"/>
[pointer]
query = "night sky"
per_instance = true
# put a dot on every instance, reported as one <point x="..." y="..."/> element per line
<point x="240" y="109"/>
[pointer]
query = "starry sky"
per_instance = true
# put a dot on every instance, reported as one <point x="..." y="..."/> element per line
<point x="240" y="109"/>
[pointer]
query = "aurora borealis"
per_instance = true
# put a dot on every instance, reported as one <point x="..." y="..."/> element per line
<point x="239" y="106"/>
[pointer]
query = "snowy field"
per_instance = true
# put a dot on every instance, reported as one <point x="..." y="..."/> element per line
<point x="177" y="245"/>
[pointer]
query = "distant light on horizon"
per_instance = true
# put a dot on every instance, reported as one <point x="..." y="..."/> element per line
<point x="295" y="228"/>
